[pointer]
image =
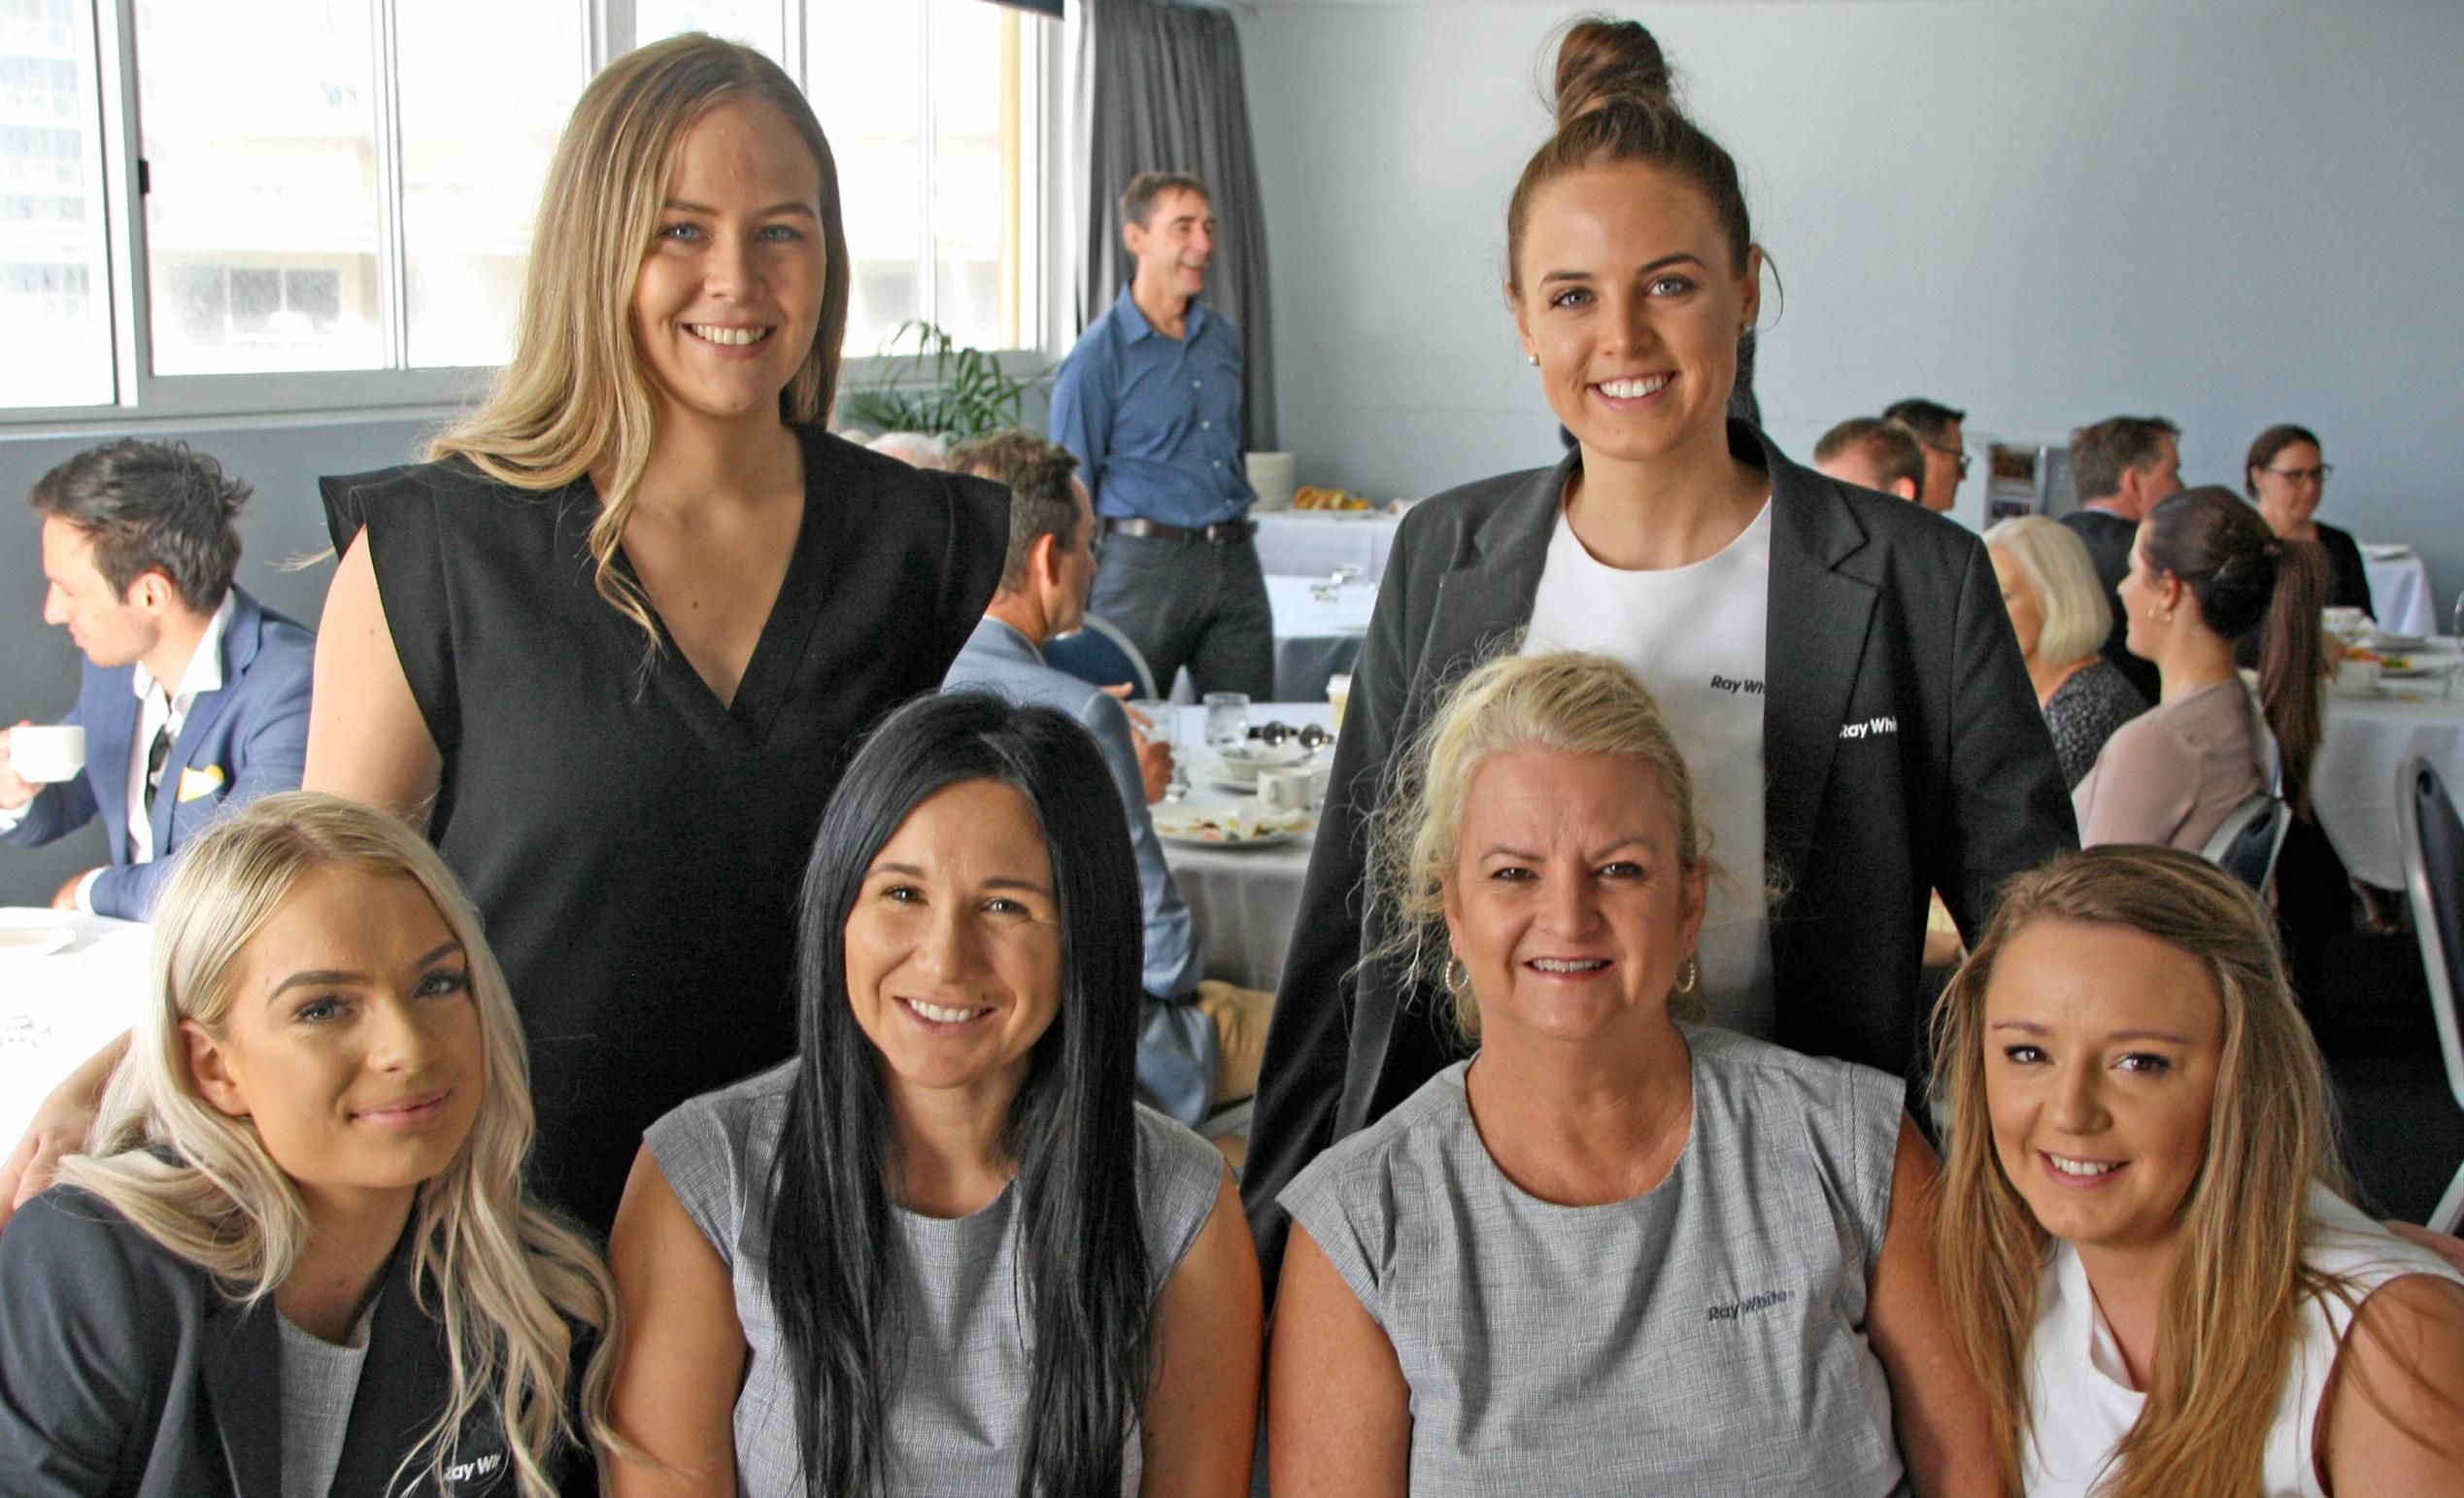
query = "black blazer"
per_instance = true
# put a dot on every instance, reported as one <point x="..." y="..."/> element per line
<point x="1883" y="619"/>
<point x="127" y="1372"/>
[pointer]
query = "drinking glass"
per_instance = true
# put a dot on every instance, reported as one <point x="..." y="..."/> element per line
<point x="1227" y="719"/>
<point x="1162" y="727"/>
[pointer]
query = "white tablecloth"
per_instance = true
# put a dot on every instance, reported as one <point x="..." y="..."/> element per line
<point x="55" y="1010"/>
<point x="2400" y="594"/>
<point x="1315" y="638"/>
<point x="1245" y="901"/>
<point x="1316" y="542"/>
<point x="2353" y="781"/>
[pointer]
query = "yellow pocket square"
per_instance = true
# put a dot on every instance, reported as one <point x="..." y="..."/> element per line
<point x="197" y="784"/>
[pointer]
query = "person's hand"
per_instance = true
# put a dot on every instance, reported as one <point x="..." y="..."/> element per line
<point x="59" y="1129"/>
<point x="2448" y="1248"/>
<point x="14" y="788"/>
<point x="66" y="898"/>
<point x="1155" y="768"/>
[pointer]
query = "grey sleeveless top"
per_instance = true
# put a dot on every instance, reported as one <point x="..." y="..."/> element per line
<point x="1705" y="1337"/>
<point x="956" y="1417"/>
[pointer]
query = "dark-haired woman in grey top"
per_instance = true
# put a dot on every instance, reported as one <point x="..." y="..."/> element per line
<point x="942" y="1250"/>
<point x="1611" y="1253"/>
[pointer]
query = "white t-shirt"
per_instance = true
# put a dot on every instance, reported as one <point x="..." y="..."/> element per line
<point x="1695" y="635"/>
<point x="2079" y="1400"/>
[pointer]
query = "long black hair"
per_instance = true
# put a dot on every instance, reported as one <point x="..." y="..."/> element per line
<point x="835" y="1266"/>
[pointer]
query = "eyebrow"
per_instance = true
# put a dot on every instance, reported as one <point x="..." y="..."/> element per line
<point x="680" y="205"/>
<point x="2031" y="1027"/>
<point x="323" y="977"/>
<point x="1681" y="258"/>
<point x="1637" y="840"/>
<point x="911" y="872"/>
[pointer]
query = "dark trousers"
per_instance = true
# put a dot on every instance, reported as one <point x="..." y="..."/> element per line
<point x="1194" y="604"/>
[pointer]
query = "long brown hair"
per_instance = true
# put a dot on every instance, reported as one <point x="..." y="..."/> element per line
<point x="2230" y="1312"/>
<point x="2246" y="578"/>
<point x="574" y="398"/>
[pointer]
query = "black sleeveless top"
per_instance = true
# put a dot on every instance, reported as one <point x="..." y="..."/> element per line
<point x="633" y="846"/>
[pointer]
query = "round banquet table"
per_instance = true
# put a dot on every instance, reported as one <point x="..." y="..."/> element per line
<point x="1319" y="627"/>
<point x="2363" y="742"/>
<point x="2400" y="592"/>
<point x="1245" y="901"/>
<point x="1316" y="542"/>
<point x="58" y="1008"/>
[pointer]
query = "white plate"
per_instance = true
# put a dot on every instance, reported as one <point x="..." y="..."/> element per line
<point x="1239" y="765"/>
<point x="2383" y="639"/>
<point x="1188" y="828"/>
<point x="2428" y="665"/>
<point x="1253" y="840"/>
<point x="2385" y="551"/>
<point x="33" y="940"/>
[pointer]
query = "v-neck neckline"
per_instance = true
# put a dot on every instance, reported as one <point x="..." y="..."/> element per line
<point x="769" y="672"/>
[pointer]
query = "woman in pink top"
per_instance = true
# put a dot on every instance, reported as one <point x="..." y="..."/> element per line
<point x="2205" y="571"/>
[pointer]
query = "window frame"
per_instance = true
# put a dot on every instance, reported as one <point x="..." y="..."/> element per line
<point x="142" y="398"/>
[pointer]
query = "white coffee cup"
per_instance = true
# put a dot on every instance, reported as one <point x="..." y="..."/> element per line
<point x="46" y="753"/>
<point x="2357" y="677"/>
<point x="1270" y="474"/>
<point x="1287" y="790"/>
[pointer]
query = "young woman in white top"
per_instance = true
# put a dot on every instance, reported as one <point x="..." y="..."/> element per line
<point x="2145" y="1250"/>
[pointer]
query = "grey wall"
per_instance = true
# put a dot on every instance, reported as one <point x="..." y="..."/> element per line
<point x="39" y="667"/>
<point x="2045" y="211"/>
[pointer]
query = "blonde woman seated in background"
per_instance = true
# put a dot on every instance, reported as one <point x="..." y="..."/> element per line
<point x="2204" y="573"/>
<point x="298" y="1258"/>
<point x="2146" y="1246"/>
<point x="1611" y="1253"/>
<point x="2058" y="611"/>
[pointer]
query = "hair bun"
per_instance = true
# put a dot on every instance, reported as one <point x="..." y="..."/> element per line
<point x="1604" y="63"/>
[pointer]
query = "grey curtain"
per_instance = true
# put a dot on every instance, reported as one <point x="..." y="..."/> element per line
<point x="1160" y="90"/>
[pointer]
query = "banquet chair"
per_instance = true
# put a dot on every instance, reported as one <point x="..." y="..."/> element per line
<point x="2434" y="880"/>
<point x="2245" y="845"/>
<point x="1099" y="653"/>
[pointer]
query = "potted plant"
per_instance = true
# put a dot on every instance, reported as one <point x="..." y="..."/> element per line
<point x="936" y="386"/>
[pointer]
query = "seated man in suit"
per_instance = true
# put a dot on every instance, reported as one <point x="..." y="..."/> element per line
<point x="195" y="697"/>
<point x="2120" y="467"/>
<point x="1200" y="1042"/>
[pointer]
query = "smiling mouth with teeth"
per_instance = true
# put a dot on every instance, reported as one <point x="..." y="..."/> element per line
<point x="1633" y="389"/>
<point x="941" y="1016"/>
<point x="2085" y="1169"/>
<point x="733" y="338"/>
<point x="1569" y="964"/>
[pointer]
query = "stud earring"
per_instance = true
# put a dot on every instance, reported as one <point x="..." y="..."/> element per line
<point x="1531" y="358"/>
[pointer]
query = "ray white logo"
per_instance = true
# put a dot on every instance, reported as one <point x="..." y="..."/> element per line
<point x="475" y="1469"/>
<point x="1874" y="727"/>
<point x="1732" y="685"/>
<point x="1749" y="1305"/>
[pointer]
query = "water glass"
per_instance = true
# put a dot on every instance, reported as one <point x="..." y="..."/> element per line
<point x="1227" y="719"/>
<point x="1161" y="726"/>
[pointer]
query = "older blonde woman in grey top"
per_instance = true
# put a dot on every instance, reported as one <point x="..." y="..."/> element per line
<point x="1612" y="1253"/>
<point x="2059" y="612"/>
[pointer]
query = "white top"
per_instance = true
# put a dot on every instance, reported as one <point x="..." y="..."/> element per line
<point x="2079" y="1400"/>
<point x="1695" y="635"/>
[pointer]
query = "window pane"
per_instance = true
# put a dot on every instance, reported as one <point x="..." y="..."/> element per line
<point x="754" y="22"/>
<point x="977" y="244"/>
<point x="262" y="230"/>
<point x="864" y="66"/>
<point x="54" y="276"/>
<point x="478" y="126"/>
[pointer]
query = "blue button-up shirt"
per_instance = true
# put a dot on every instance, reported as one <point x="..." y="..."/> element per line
<point x="1154" y="421"/>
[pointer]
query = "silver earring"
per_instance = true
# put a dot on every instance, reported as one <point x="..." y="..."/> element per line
<point x="1689" y="974"/>
<point x="1458" y="976"/>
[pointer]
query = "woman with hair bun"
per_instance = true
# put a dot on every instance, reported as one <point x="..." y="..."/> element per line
<point x="2204" y="573"/>
<point x="2285" y="477"/>
<point x="297" y="1257"/>
<point x="1837" y="665"/>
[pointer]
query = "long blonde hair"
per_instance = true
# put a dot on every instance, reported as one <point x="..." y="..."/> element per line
<point x="502" y="1275"/>
<point x="1565" y="702"/>
<point x="574" y="398"/>
<point x="2230" y="1313"/>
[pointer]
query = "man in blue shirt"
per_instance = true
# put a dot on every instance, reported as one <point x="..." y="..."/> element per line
<point x="1149" y="402"/>
<point x="195" y="697"/>
<point x="1198" y="1043"/>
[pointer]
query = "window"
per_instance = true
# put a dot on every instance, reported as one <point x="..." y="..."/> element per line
<point x="331" y="203"/>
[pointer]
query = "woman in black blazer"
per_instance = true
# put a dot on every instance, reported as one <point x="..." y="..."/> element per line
<point x="299" y="1259"/>
<point x="2286" y="476"/>
<point x="1902" y="751"/>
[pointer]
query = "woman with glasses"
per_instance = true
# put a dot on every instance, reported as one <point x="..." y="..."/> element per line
<point x="2286" y="476"/>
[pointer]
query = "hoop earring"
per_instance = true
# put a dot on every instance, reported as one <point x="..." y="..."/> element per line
<point x="1458" y="976"/>
<point x="1689" y="974"/>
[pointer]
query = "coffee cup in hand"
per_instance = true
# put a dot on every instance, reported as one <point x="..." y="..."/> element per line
<point x="44" y="754"/>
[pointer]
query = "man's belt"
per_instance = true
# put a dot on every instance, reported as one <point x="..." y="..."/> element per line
<point x="1221" y="533"/>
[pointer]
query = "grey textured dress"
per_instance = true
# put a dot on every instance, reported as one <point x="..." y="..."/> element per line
<point x="1707" y="1336"/>
<point x="956" y="1417"/>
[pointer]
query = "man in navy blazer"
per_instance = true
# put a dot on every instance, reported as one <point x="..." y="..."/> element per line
<point x="195" y="697"/>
